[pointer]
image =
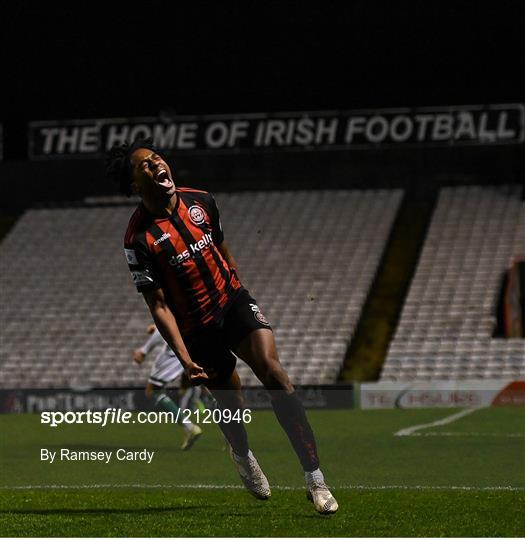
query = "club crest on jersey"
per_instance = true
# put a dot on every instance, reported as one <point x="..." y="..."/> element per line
<point x="197" y="214"/>
<point x="258" y="314"/>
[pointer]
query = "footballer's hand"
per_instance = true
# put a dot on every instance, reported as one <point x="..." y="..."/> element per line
<point x="138" y="356"/>
<point x="196" y="374"/>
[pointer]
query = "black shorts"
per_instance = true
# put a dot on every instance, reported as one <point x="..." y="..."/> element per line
<point x="211" y="346"/>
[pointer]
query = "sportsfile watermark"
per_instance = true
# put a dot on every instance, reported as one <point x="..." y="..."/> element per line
<point x="112" y="416"/>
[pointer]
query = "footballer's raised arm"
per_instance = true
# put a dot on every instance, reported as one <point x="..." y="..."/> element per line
<point x="167" y="325"/>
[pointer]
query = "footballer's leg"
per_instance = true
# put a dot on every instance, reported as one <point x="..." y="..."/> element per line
<point x="259" y="351"/>
<point x="228" y="396"/>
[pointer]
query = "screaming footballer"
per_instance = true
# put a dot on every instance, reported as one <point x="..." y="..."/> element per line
<point x="182" y="265"/>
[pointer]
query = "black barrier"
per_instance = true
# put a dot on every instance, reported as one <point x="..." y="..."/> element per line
<point x="31" y="400"/>
<point x="37" y="400"/>
<point x="30" y="183"/>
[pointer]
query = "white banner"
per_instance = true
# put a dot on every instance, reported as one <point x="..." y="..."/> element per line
<point x="440" y="393"/>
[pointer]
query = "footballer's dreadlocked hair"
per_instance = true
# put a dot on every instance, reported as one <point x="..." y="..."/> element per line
<point x="118" y="165"/>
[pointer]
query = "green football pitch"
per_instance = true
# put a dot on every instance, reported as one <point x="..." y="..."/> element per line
<point x="462" y="478"/>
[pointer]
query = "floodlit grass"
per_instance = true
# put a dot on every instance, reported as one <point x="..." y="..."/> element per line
<point x="463" y="479"/>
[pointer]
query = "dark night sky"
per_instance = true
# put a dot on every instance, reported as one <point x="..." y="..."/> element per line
<point x="91" y="60"/>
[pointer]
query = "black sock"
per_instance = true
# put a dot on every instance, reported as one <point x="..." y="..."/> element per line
<point x="237" y="437"/>
<point x="235" y="432"/>
<point x="290" y="413"/>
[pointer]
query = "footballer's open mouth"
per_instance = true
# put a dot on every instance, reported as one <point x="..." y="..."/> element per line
<point x="163" y="179"/>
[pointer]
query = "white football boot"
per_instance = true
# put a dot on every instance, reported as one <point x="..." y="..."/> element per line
<point x="317" y="492"/>
<point x="251" y="475"/>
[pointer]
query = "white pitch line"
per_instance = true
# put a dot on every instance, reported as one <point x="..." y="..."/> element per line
<point x="283" y="488"/>
<point x="465" y="434"/>
<point x="447" y="420"/>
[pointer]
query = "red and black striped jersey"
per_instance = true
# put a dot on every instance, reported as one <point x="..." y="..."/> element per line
<point x="179" y="254"/>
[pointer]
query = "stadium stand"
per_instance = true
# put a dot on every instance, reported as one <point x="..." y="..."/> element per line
<point x="449" y="316"/>
<point x="71" y="316"/>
